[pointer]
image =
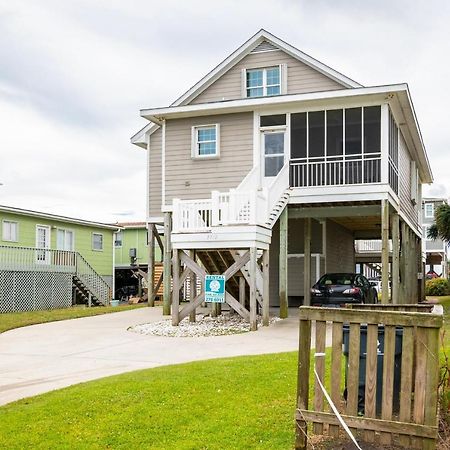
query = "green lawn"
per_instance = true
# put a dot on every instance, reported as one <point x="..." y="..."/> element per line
<point x="234" y="403"/>
<point x="8" y="321"/>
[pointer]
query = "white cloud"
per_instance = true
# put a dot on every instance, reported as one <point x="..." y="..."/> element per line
<point x="74" y="75"/>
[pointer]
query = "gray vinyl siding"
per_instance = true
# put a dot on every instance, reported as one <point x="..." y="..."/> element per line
<point x="340" y="248"/>
<point x="407" y="207"/>
<point x="155" y="179"/>
<point x="188" y="178"/>
<point x="300" y="77"/>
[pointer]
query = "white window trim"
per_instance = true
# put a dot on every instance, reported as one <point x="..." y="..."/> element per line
<point x="282" y="75"/>
<point x="194" y="142"/>
<point x="97" y="249"/>
<point x="427" y="216"/>
<point x="73" y="238"/>
<point x="3" y="231"/>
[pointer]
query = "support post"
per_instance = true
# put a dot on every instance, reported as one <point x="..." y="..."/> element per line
<point x="176" y="288"/>
<point x="307" y="264"/>
<point x="266" y="287"/>
<point x="407" y="283"/>
<point x="151" y="265"/>
<point x="192" y="289"/>
<point x="283" y="265"/>
<point x="395" y="258"/>
<point x="252" y="269"/>
<point x="242" y="291"/>
<point x="167" y="264"/>
<point x="403" y="275"/>
<point x="384" y="251"/>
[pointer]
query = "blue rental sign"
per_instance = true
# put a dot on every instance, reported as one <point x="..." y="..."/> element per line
<point x="215" y="288"/>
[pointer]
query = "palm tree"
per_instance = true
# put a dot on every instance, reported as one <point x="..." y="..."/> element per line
<point x="441" y="227"/>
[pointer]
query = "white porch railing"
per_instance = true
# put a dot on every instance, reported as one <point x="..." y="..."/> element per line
<point x="336" y="170"/>
<point x="370" y="246"/>
<point x="29" y="259"/>
<point x="244" y="205"/>
<point x="224" y="208"/>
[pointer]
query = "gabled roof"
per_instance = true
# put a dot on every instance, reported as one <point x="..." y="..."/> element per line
<point x="262" y="37"/>
<point x="257" y="39"/>
<point x="38" y="214"/>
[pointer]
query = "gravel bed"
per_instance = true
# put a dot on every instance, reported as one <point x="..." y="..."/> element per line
<point x="205" y="325"/>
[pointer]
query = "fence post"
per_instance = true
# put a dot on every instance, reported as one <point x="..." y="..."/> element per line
<point x="215" y="211"/>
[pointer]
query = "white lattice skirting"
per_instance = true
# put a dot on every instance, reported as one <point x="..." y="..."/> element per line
<point x="32" y="290"/>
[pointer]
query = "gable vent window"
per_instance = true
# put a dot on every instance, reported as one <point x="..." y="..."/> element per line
<point x="263" y="82"/>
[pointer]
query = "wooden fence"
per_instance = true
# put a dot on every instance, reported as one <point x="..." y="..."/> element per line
<point x="393" y="399"/>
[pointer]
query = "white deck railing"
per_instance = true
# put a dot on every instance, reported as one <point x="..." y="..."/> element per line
<point x="28" y="259"/>
<point x="245" y="205"/>
<point x="370" y="246"/>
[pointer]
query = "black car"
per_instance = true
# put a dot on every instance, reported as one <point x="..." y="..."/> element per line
<point x="341" y="288"/>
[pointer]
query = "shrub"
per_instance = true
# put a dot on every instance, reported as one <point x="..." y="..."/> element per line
<point x="437" y="286"/>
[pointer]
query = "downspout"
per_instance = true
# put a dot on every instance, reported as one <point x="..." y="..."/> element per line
<point x="113" y="266"/>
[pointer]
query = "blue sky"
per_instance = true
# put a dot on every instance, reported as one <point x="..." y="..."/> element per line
<point x="74" y="74"/>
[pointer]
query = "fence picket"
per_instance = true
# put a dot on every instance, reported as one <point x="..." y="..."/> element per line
<point x="336" y="370"/>
<point x="371" y="377"/>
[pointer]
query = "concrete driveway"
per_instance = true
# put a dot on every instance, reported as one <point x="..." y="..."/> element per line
<point x="41" y="358"/>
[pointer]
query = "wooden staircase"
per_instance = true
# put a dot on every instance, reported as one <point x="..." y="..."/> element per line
<point x="83" y="294"/>
<point x="88" y="285"/>
<point x="278" y="208"/>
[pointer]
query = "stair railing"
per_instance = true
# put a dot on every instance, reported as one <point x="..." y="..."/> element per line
<point x="92" y="280"/>
<point x="277" y="188"/>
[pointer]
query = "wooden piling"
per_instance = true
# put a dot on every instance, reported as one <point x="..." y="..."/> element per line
<point x="283" y="265"/>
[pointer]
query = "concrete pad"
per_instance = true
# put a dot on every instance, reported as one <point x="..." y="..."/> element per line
<point x="41" y="358"/>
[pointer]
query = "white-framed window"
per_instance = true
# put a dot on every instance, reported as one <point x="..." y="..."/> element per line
<point x="206" y="141"/>
<point x="118" y="239"/>
<point x="10" y="231"/>
<point x="263" y="82"/>
<point x="97" y="241"/>
<point x="429" y="210"/>
<point x="65" y="240"/>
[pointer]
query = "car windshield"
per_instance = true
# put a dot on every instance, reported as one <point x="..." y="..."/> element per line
<point x="336" y="279"/>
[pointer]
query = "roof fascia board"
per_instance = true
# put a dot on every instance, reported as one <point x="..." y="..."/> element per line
<point x="403" y="110"/>
<point x="250" y="104"/>
<point x="25" y="212"/>
<point x="140" y="138"/>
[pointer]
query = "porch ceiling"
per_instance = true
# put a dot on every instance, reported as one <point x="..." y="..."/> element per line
<point x="362" y="218"/>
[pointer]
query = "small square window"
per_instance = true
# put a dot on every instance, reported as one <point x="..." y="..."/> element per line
<point x="10" y="231"/>
<point x="205" y="141"/>
<point x="263" y="82"/>
<point x="97" y="241"/>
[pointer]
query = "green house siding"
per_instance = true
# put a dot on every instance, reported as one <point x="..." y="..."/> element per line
<point x="101" y="261"/>
<point x="134" y="238"/>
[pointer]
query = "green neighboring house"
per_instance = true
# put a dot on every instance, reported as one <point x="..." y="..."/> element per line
<point x="131" y="254"/>
<point x="49" y="261"/>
